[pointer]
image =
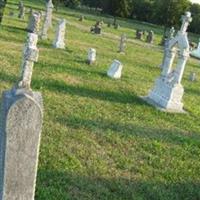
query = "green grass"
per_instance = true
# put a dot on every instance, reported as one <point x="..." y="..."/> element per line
<point x="99" y="140"/>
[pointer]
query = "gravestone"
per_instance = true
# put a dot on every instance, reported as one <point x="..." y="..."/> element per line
<point x="96" y="29"/>
<point x="117" y="26"/>
<point x="115" y="70"/>
<point x="196" y="53"/>
<point x="122" y="44"/>
<point x="47" y="19"/>
<point x="91" y="56"/>
<point x="21" y="10"/>
<point x="168" y="37"/>
<point x="171" y="33"/>
<point x="192" y="77"/>
<point x="81" y="19"/>
<point x="20" y="131"/>
<point x="168" y="91"/>
<point x="34" y="22"/>
<point x="150" y="37"/>
<point x="139" y="34"/>
<point x="59" y="41"/>
<point x="109" y="24"/>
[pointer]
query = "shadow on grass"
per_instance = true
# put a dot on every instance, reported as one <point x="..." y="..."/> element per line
<point x="15" y="30"/>
<point x="8" y="78"/>
<point x="62" y="87"/>
<point x="103" y="126"/>
<point x="72" y="70"/>
<point x="63" y="185"/>
<point x="192" y="91"/>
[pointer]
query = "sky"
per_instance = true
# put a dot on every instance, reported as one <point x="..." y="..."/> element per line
<point x="195" y="1"/>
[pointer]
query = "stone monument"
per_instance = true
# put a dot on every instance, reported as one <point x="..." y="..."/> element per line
<point x="59" y="41"/>
<point x="193" y="77"/>
<point x="96" y="28"/>
<point x="196" y="53"/>
<point x="47" y="20"/>
<point x="150" y="37"/>
<point x="168" y="92"/>
<point x="34" y="22"/>
<point x="21" y="10"/>
<point x="115" y="70"/>
<point x="20" y="131"/>
<point x="122" y="44"/>
<point x="139" y="34"/>
<point x="91" y="56"/>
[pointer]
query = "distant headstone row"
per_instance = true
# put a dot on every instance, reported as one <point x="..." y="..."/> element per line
<point x="141" y="34"/>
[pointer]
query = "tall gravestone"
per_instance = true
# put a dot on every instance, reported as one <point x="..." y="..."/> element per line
<point x="168" y="91"/>
<point x="47" y="19"/>
<point x="20" y="131"/>
<point x="59" y="41"/>
<point x="91" y="56"/>
<point x="21" y="10"/>
<point x="122" y="44"/>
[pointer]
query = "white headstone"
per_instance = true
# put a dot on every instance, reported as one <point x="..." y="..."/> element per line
<point x="59" y="41"/>
<point x="91" y="56"/>
<point x="115" y="70"/>
<point x="168" y="92"/>
<point x="196" y="52"/>
<point x="48" y="20"/>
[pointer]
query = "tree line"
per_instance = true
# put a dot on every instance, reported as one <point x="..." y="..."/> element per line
<point x="161" y="12"/>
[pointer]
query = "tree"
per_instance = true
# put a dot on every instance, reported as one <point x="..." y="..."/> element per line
<point x="195" y="25"/>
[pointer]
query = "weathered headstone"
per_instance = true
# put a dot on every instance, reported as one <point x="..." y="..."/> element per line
<point x="196" y="53"/>
<point x="168" y="92"/>
<point x="171" y="33"/>
<point x="115" y="70"/>
<point x="96" y="28"/>
<point x="81" y="19"/>
<point x="48" y="20"/>
<point x="59" y="41"/>
<point x="34" y="22"/>
<point x="91" y="56"/>
<point x="20" y="131"/>
<point x="139" y="34"/>
<point x="21" y="10"/>
<point x="122" y="44"/>
<point x="150" y="37"/>
<point x="192" y="77"/>
<point x="117" y="26"/>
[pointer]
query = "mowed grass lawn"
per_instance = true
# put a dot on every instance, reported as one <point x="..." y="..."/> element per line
<point x="99" y="140"/>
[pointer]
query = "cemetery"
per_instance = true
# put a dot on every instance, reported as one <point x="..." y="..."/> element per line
<point x="96" y="107"/>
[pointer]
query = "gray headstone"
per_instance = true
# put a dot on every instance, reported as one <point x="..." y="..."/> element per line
<point x="34" y="23"/>
<point x="20" y="138"/>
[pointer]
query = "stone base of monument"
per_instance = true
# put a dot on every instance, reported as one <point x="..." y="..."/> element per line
<point x="195" y="54"/>
<point x="59" y="45"/>
<point x="20" y="133"/>
<point x="166" y="97"/>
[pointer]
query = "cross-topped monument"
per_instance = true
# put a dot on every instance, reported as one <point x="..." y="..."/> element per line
<point x="20" y="131"/>
<point x="168" y="92"/>
<point x="186" y="20"/>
